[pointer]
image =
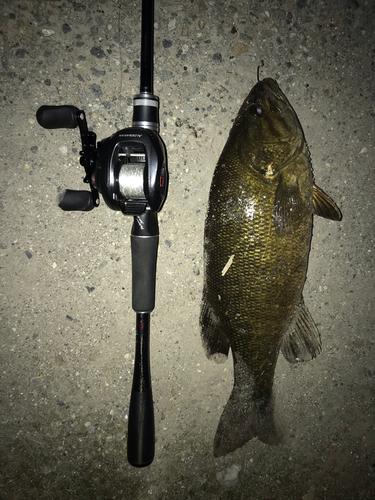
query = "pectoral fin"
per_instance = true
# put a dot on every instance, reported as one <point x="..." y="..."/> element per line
<point x="287" y="197"/>
<point x="302" y="340"/>
<point x="324" y="206"/>
<point x="214" y="342"/>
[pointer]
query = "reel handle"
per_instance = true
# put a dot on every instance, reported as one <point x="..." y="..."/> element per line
<point x="52" y="117"/>
<point x="82" y="201"/>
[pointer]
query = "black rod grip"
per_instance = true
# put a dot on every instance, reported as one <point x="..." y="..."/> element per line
<point x="144" y="250"/>
<point x="141" y="426"/>
<point x="57" y="116"/>
<point x="71" y="200"/>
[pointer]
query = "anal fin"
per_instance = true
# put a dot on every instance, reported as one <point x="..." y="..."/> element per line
<point x="302" y="340"/>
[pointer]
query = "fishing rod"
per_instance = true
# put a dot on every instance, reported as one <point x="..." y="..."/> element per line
<point x="129" y="170"/>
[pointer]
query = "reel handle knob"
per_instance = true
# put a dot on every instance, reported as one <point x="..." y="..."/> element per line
<point x="57" y="116"/>
<point x="82" y="201"/>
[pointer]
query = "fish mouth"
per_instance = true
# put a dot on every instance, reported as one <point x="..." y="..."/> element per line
<point x="268" y="93"/>
<point x="270" y="87"/>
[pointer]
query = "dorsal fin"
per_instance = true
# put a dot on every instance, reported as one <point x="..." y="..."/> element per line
<point x="324" y="206"/>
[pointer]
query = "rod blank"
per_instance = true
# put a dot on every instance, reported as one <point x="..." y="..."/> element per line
<point x="147" y="47"/>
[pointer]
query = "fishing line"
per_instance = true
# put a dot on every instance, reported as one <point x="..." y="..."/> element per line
<point x="258" y="68"/>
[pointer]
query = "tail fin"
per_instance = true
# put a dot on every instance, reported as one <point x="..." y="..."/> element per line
<point x="245" y="416"/>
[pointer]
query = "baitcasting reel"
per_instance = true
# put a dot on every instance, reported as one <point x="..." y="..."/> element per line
<point x="128" y="169"/>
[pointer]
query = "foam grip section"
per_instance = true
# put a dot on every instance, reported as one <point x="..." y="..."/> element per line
<point x="144" y="251"/>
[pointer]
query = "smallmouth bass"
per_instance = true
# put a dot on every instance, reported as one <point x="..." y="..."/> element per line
<point x="257" y="240"/>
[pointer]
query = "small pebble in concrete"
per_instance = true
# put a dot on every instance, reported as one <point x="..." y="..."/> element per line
<point x="229" y="477"/>
<point x="97" y="52"/>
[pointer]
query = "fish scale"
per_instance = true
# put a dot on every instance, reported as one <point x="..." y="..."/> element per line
<point x="257" y="240"/>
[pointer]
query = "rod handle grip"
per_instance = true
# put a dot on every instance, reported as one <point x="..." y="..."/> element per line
<point x="141" y="425"/>
<point x="141" y="429"/>
<point x="144" y="251"/>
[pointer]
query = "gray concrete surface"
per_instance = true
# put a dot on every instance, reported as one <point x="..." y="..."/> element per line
<point x="67" y="328"/>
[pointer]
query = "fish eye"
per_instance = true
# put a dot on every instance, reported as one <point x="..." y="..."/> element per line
<point x="256" y="110"/>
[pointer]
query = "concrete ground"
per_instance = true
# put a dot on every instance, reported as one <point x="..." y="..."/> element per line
<point x="67" y="327"/>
